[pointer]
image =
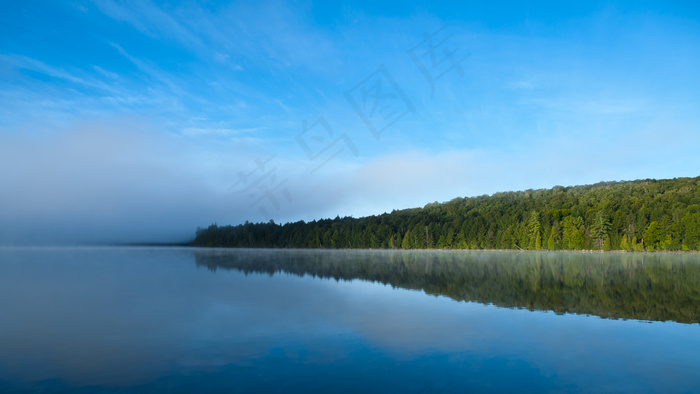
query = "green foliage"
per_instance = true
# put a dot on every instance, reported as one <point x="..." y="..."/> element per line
<point x="636" y="215"/>
<point x="535" y="235"/>
<point x="574" y="232"/>
<point x="653" y="236"/>
<point x="599" y="230"/>
<point x="637" y="246"/>
<point x="406" y="244"/>
<point x="625" y="243"/>
<point x="607" y="244"/>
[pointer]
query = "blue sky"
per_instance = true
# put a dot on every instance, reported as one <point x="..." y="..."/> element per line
<point x="139" y="121"/>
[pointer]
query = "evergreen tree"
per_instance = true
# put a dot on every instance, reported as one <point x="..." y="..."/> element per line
<point x="662" y="215"/>
<point x="535" y="238"/>
<point x="406" y="243"/>
<point x="625" y="244"/>
<point x="599" y="230"/>
<point x="607" y="244"/>
<point x="574" y="232"/>
<point x="652" y="236"/>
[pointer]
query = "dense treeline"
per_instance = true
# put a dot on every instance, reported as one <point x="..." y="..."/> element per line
<point x="635" y="215"/>
<point x="661" y="286"/>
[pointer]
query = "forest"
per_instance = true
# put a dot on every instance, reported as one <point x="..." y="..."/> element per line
<point x="642" y="215"/>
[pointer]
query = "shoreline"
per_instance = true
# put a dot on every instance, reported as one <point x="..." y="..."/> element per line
<point x="466" y="250"/>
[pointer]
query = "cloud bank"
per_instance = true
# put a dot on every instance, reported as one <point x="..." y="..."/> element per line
<point x="140" y="122"/>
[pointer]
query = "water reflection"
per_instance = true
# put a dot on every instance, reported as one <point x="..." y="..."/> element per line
<point x="150" y="320"/>
<point x="654" y="287"/>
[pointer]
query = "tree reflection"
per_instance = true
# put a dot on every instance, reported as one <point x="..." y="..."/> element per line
<point x="658" y="287"/>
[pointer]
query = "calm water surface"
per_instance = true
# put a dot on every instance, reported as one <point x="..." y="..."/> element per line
<point x="195" y="320"/>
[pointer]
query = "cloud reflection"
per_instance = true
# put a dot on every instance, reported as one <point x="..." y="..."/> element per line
<point x="130" y="317"/>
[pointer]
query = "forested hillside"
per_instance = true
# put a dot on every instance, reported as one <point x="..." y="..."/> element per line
<point x="636" y="215"/>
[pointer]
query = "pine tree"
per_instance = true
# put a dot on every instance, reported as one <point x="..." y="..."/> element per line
<point x="406" y="244"/>
<point x="392" y="242"/>
<point x="652" y="236"/>
<point x="535" y="236"/>
<point x="625" y="244"/>
<point x="607" y="245"/>
<point x="551" y="242"/>
<point x="599" y="230"/>
<point x="574" y="232"/>
<point x="660" y="215"/>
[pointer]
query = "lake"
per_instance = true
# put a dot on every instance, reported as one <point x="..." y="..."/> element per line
<point x="131" y="319"/>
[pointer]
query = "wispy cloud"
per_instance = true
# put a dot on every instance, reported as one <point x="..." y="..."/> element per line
<point x="149" y="19"/>
<point x="171" y="101"/>
<point x="592" y="106"/>
<point x="221" y="132"/>
<point x="26" y="63"/>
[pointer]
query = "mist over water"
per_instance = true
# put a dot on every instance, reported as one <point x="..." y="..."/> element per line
<point x="145" y="319"/>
